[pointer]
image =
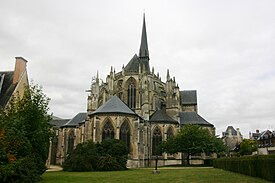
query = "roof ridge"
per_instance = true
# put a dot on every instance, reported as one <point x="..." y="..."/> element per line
<point x="114" y="105"/>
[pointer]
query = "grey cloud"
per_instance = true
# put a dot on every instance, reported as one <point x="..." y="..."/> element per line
<point x="223" y="49"/>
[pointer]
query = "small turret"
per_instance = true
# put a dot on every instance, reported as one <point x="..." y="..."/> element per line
<point x="168" y="75"/>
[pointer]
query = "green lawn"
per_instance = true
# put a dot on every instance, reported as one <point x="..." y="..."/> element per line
<point x="189" y="175"/>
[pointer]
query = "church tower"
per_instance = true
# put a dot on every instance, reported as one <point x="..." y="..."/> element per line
<point x="143" y="51"/>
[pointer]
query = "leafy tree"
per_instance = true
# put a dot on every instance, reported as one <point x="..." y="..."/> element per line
<point x="193" y="139"/>
<point x="248" y="146"/>
<point x="24" y="137"/>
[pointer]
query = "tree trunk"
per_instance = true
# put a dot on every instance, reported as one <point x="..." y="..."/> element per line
<point x="182" y="159"/>
<point x="188" y="155"/>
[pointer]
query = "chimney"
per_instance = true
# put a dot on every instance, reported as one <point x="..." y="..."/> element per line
<point x="238" y="135"/>
<point x="19" y="69"/>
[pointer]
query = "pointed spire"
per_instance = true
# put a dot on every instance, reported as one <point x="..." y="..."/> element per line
<point x="97" y="78"/>
<point x="168" y="75"/>
<point x="143" y="51"/>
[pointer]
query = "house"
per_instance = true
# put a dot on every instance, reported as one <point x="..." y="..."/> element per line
<point x="13" y="83"/>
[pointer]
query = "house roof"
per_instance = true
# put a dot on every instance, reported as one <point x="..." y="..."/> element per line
<point x="188" y="97"/>
<point x="79" y="118"/>
<point x="114" y="105"/>
<point x="233" y="131"/>
<point x="162" y="117"/>
<point x="6" y="87"/>
<point x="193" y="118"/>
<point x="264" y="134"/>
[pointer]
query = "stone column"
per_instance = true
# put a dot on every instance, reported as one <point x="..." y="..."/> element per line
<point x="94" y="130"/>
<point x="117" y="127"/>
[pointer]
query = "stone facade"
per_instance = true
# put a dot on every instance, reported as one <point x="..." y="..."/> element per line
<point x="232" y="137"/>
<point x="136" y="106"/>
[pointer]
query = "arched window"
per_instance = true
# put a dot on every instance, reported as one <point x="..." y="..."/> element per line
<point x="157" y="139"/>
<point x="108" y="131"/>
<point x="70" y="142"/>
<point x="124" y="133"/>
<point x="131" y="101"/>
<point x="170" y="132"/>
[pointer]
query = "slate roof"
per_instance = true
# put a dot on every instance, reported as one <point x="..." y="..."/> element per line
<point x="58" y="122"/>
<point x="160" y="116"/>
<point x="193" y="118"/>
<point x="188" y="97"/>
<point x="264" y="134"/>
<point x="114" y="105"/>
<point x="233" y="131"/>
<point x="6" y="87"/>
<point x="79" y="118"/>
<point x="134" y="63"/>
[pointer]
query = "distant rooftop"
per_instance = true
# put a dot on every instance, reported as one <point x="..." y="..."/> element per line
<point x="79" y="118"/>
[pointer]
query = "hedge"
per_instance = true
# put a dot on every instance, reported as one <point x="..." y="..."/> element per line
<point x="262" y="166"/>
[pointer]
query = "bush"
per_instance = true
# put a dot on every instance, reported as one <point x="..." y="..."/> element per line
<point x="106" y="156"/>
<point x="108" y="163"/>
<point x="262" y="166"/>
<point x="82" y="158"/>
<point x="208" y="162"/>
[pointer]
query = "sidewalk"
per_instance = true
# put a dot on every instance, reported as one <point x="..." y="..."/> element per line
<point x="54" y="168"/>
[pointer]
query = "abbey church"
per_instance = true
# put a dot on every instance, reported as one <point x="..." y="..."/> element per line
<point x="135" y="106"/>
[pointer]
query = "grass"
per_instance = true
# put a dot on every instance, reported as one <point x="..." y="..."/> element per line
<point x="175" y="175"/>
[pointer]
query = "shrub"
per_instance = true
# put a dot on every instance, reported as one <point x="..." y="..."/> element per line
<point x="82" y="158"/>
<point x="208" y="162"/>
<point x="106" y="156"/>
<point x="108" y="163"/>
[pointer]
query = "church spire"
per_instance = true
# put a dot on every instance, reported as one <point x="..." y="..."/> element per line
<point x="143" y="51"/>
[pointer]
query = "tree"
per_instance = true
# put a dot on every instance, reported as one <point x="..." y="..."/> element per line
<point x="247" y="147"/>
<point x="193" y="139"/>
<point x="24" y="137"/>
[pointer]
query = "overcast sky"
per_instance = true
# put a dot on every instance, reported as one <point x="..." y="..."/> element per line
<point x="223" y="49"/>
